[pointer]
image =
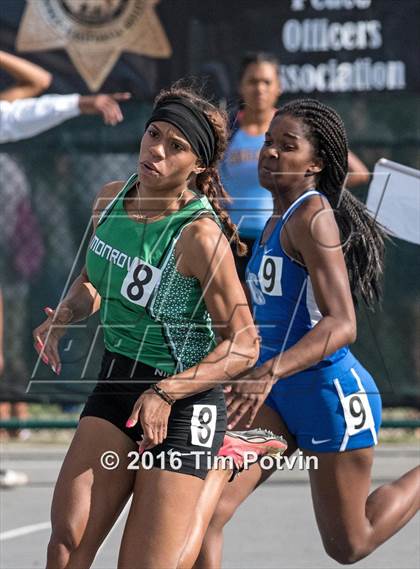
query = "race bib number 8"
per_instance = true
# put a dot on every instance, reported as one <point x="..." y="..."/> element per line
<point x="203" y="425"/>
<point x="140" y="282"/>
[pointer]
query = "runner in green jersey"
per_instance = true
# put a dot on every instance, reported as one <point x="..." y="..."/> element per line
<point x="161" y="270"/>
<point x="150" y="311"/>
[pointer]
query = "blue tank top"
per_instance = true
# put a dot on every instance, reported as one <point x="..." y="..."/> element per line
<point x="283" y="301"/>
<point x="252" y="205"/>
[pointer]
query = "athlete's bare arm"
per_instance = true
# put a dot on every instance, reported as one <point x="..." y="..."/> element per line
<point x="30" y="79"/>
<point x="205" y="253"/>
<point x="311" y="236"/>
<point x="82" y="298"/>
<point x="81" y="301"/>
<point x="358" y="173"/>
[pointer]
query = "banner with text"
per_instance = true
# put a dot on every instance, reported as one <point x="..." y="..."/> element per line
<point x="325" y="46"/>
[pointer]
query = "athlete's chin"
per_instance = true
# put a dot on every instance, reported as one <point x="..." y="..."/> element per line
<point x="260" y="104"/>
<point x="267" y="180"/>
<point x="151" y="180"/>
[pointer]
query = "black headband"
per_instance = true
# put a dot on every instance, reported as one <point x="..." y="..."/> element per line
<point x="192" y="122"/>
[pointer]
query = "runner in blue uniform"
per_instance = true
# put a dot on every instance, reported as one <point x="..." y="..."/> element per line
<point x="319" y="252"/>
<point x="259" y="89"/>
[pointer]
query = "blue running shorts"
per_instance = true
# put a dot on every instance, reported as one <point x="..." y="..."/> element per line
<point x="333" y="409"/>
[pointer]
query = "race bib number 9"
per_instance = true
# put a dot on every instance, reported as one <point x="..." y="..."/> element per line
<point x="140" y="282"/>
<point x="269" y="275"/>
<point x="357" y="411"/>
<point x="203" y="425"/>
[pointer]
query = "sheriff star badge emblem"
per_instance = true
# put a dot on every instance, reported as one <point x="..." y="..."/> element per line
<point x="93" y="32"/>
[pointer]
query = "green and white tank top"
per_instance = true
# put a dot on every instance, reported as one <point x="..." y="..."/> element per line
<point x="150" y="312"/>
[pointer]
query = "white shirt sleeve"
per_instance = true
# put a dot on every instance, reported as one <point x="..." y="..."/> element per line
<point x="24" y="118"/>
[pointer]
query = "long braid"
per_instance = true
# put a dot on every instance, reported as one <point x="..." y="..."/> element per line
<point x="362" y="236"/>
<point x="209" y="182"/>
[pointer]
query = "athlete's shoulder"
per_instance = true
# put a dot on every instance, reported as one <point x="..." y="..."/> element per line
<point x="203" y="233"/>
<point x="314" y="219"/>
<point x="312" y="203"/>
<point x="109" y="191"/>
<point x="105" y="195"/>
<point x="312" y="207"/>
<point x="205" y="249"/>
<point x="203" y="239"/>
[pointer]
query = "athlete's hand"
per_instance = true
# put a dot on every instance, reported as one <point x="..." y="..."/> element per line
<point x="247" y="394"/>
<point x="49" y="333"/>
<point x="105" y="105"/>
<point x="153" y="413"/>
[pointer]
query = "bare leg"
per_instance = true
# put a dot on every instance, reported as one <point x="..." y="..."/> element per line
<point x="160" y="516"/>
<point x="353" y="524"/>
<point x="233" y="494"/>
<point x="215" y="483"/>
<point x="5" y="415"/>
<point x="20" y="410"/>
<point x="87" y="497"/>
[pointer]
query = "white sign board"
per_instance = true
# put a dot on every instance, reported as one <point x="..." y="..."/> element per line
<point x="394" y="199"/>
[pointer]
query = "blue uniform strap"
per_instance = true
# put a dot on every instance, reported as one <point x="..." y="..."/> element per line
<point x="292" y="208"/>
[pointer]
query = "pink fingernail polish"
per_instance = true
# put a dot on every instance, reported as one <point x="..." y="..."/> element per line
<point x="129" y="423"/>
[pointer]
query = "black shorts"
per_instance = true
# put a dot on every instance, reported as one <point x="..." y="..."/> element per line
<point x="196" y="426"/>
<point x="241" y="262"/>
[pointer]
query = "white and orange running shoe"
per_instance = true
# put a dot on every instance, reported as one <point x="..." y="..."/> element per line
<point x="241" y="445"/>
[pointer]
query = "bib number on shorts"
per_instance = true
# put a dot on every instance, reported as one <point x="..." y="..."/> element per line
<point x="357" y="411"/>
<point x="203" y="425"/>
<point x="140" y="282"/>
<point x="269" y="275"/>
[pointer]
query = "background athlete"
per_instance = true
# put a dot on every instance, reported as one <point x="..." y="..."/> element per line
<point x="307" y="384"/>
<point x="259" y="90"/>
<point x="160" y="268"/>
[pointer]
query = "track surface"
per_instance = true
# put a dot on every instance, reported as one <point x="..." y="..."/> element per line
<point x="274" y="529"/>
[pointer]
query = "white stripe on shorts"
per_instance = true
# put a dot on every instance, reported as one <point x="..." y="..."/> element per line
<point x="361" y="388"/>
<point x="345" y="440"/>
